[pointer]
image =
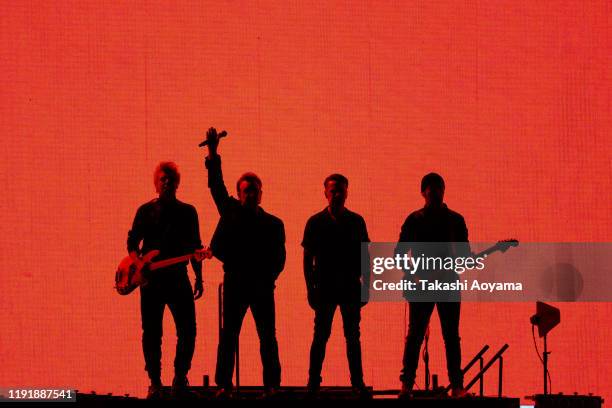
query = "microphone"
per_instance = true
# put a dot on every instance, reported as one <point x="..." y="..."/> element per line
<point x="205" y="142"/>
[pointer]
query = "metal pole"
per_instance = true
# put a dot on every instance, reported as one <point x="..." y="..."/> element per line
<point x="426" y="359"/>
<point x="481" y="391"/>
<point x="486" y="367"/>
<point x="476" y="358"/>
<point x="545" y="366"/>
<point x="220" y="309"/>
<point x="238" y="366"/>
<point x="500" y="377"/>
<point x="469" y="365"/>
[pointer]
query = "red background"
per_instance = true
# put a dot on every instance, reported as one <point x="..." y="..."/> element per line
<point x="509" y="101"/>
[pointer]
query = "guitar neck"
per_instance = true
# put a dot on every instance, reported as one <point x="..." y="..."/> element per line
<point x="169" y="261"/>
<point x="487" y="251"/>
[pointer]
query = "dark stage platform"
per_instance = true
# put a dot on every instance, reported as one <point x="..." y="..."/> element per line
<point x="339" y="396"/>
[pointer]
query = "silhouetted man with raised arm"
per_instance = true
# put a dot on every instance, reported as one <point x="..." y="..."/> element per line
<point x="172" y="227"/>
<point x="435" y="222"/>
<point x="332" y="269"/>
<point x="251" y="244"/>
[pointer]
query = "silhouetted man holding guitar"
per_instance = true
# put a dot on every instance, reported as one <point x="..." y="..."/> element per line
<point x="251" y="244"/>
<point x="435" y="222"/>
<point x="435" y="230"/>
<point x="171" y="227"/>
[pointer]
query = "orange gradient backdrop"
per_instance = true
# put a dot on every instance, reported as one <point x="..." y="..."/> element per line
<point x="508" y="100"/>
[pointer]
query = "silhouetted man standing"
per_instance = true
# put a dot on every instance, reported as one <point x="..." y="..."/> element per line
<point x="172" y="227"/>
<point x="332" y="269"/>
<point x="251" y="244"/>
<point x="433" y="223"/>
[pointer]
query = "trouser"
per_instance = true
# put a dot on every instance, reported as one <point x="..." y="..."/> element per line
<point x="420" y="313"/>
<point x="324" y="316"/>
<point x="236" y="302"/>
<point x="154" y="297"/>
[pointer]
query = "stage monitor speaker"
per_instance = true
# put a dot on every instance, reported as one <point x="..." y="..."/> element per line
<point x="546" y="318"/>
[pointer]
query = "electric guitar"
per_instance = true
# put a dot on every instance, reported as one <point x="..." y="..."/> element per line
<point x="412" y="295"/>
<point x="501" y="246"/>
<point x="131" y="274"/>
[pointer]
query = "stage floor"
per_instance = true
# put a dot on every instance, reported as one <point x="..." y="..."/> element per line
<point x="339" y="396"/>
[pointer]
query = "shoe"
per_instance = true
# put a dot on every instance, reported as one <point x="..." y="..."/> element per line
<point x="224" y="393"/>
<point x="459" y="392"/>
<point x="155" y="391"/>
<point x="406" y="391"/>
<point x="313" y="391"/>
<point x="180" y="388"/>
<point x="270" y="393"/>
<point x="362" y="392"/>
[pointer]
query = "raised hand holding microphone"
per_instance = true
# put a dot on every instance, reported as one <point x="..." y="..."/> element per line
<point x="212" y="140"/>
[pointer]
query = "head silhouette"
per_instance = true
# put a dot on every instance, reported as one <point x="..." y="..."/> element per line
<point x="166" y="178"/>
<point x="336" y="191"/>
<point x="432" y="190"/>
<point x="249" y="190"/>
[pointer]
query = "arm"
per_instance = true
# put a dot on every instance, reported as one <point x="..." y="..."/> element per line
<point x="405" y="244"/>
<point x="281" y="255"/>
<point x="308" y="243"/>
<point x="198" y="289"/>
<point x="215" y="183"/>
<point x="464" y="248"/>
<point x="365" y="264"/>
<point x="310" y="277"/>
<point x="197" y="269"/>
<point x="215" y="175"/>
<point x="312" y="291"/>
<point x="309" y="270"/>
<point x="217" y="242"/>
<point x="135" y="235"/>
<point x="405" y="236"/>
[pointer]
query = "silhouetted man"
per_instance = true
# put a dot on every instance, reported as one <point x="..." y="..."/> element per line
<point x="251" y="244"/>
<point x="172" y="227"/>
<point x="433" y="223"/>
<point x="332" y="269"/>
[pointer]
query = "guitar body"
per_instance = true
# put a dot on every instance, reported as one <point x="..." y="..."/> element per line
<point x="129" y="274"/>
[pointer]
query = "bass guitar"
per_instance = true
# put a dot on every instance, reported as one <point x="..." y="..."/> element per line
<point x="131" y="273"/>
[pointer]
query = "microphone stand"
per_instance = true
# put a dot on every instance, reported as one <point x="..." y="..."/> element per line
<point x="426" y="359"/>
<point x="545" y="360"/>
